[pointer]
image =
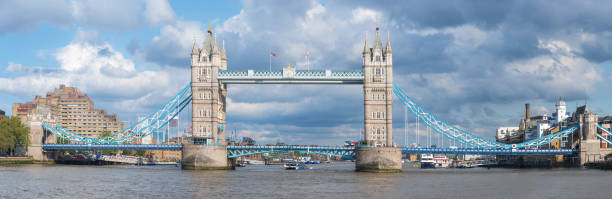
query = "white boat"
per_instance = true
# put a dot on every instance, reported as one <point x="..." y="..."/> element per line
<point x="427" y="161"/>
<point x="441" y="161"/>
<point x="294" y="165"/>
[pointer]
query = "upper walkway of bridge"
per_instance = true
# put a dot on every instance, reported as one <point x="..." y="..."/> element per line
<point x="291" y="76"/>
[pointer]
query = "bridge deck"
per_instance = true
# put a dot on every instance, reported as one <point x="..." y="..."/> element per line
<point x="490" y="151"/>
<point x="171" y="147"/>
<point x="339" y="149"/>
<point x="290" y="77"/>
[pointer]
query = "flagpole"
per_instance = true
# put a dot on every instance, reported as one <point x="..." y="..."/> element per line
<point x="308" y="60"/>
<point x="270" y="56"/>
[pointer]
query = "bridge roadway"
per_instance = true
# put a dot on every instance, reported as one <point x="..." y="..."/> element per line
<point x="340" y="151"/>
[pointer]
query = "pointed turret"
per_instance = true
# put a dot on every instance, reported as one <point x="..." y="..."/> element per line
<point x="214" y="47"/>
<point x="388" y="47"/>
<point x="377" y="41"/>
<point x="223" y="49"/>
<point x="195" y="50"/>
<point x="366" y="49"/>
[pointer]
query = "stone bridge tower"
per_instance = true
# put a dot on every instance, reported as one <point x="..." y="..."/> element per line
<point x="589" y="143"/>
<point x="208" y="94"/>
<point x="378" y="93"/>
<point x="377" y="152"/>
<point x="208" y="150"/>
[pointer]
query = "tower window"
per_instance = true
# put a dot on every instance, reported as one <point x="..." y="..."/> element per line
<point x="377" y="58"/>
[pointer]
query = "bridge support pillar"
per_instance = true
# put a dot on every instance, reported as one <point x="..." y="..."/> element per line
<point x="589" y="150"/>
<point x="205" y="157"/>
<point x="378" y="159"/>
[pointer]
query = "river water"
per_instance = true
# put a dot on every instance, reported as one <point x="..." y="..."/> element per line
<point x="337" y="180"/>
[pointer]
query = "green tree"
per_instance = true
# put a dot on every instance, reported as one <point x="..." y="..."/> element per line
<point x="61" y="140"/>
<point x="140" y="153"/>
<point x="106" y="133"/>
<point x="13" y="133"/>
<point x="127" y="152"/>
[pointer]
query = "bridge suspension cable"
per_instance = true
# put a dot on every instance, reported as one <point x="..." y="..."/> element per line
<point x="464" y="137"/>
<point x="142" y="128"/>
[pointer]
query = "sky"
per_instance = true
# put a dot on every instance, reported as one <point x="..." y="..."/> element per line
<point x="472" y="63"/>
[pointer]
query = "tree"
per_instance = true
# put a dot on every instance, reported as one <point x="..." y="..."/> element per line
<point x="13" y="133"/>
<point x="127" y="152"/>
<point x="140" y="153"/>
<point x="107" y="133"/>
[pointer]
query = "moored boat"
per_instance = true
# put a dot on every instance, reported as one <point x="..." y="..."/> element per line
<point x="294" y="165"/>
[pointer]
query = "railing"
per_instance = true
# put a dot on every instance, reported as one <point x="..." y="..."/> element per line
<point x="112" y="146"/>
<point x="293" y="76"/>
<point x="490" y="151"/>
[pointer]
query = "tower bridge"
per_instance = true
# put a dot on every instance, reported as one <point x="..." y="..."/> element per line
<point x="207" y="94"/>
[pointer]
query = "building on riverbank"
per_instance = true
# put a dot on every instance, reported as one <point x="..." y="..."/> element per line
<point x="73" y="110"/>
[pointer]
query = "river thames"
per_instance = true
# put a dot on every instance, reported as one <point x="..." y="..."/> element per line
<point x="337" y="180"/>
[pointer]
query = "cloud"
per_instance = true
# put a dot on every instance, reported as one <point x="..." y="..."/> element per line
<point x="158" y="12"/>
<point x="173" y="46"/>
<point x="463" y="60"/>
<point x="111" y="14"/>
<point x="97" y="69"/>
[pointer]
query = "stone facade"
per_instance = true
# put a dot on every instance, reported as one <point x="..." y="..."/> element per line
<point x="378" y="93"/>
<point x="209" y="95"/>
<point x="378" y="159"/>
<point x="203" y="157"/>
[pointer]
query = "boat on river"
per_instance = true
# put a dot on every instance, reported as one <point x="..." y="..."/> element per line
<point x="294" y="165"/>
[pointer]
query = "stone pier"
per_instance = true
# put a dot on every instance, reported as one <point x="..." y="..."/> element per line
<point x="205" y="157"/>
<point x="378" y="159"/>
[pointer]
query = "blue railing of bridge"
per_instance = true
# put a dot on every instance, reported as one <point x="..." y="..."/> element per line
<point x="171" y="147"/>
<point x="292" y="147"/>
<point x="294" y="77"/>
<point x="408" y="150"/>
<point x="338" y="151"/>
<point x="341" y="151"/>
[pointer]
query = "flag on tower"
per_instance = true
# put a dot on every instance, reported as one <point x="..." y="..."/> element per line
<point x="273" y="54"/>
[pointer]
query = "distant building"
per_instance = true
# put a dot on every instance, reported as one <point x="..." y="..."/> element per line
<point x="504" y="134"/>
<point x="2" y="114"/>
<point x="73" y="110"/>
<point x="536" y="127"/>
<point x="560" y="114"/>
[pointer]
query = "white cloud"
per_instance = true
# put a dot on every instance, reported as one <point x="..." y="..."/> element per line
<point x="86" y="57"/>
<point x="174" y="43"/>
<point x="158" y="12"/>
<point x="109" y="14"/>
<point x="100" y="71"/>
<point x="14" y="68"/>
<point x="361" y="15"/>
<point x="561" y="70"/>
<point x="257" y="110"/>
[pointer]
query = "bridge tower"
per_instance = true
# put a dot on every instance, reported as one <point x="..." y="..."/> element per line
<point x="589" y="150"/>
<point x="377" y="152"/>
<point x="208" y="148"/>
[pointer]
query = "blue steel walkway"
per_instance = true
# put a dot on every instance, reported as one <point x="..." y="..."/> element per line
<point x="340" y="151"/>
<point x="170" y="147"/>
<point x="490" y="151"/>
